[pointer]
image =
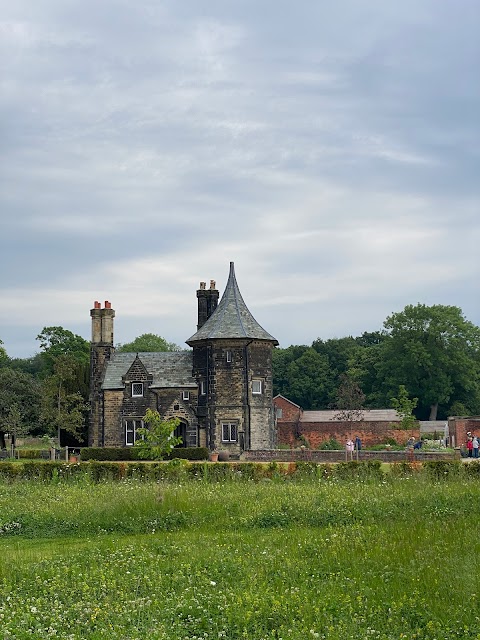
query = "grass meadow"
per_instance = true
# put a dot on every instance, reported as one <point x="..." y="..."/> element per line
<point x="384" y="558"/>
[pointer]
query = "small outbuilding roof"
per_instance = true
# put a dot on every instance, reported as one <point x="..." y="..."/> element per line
<point x="231" y="319"/>
<point x="169" y="369"/>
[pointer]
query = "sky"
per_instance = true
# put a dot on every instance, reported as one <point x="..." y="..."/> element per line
<point x="331" y="150"/>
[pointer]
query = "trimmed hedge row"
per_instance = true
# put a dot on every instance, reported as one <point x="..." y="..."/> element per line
<point x="127" y="454"/>
<point x="178" y="469"/>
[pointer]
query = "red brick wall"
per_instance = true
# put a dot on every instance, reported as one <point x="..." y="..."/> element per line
<point x="290" y="411"/>
<point x="370" y="433"/>
<point x="459" y="427"/>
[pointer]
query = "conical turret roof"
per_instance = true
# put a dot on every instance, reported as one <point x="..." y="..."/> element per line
<point x="231" y="319"/>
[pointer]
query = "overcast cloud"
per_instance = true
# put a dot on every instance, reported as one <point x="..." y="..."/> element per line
<point x="331" y="150"/>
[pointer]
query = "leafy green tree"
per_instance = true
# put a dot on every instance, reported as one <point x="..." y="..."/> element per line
<point x="404" y="406"/>
<point x="308" y="378"/>
<point x="23" y="391"/>
<point x="34" y="365"/>
<point x="434" y="352"/>
<point x="63" y="407"/>
<point x="342" y="355"/>
<point x="281" y="361"/>
<point x="158" y="439"/>
<point x="4" y="359"/>
<point x="147" y="343"/>
<point x="57" y="341"/>
<point x="14" y="423"/>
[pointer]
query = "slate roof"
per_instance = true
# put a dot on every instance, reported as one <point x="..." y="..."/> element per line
<point x="369" y="415"/>
<point x="231" y="319"/>
<point x="169" y="369"/>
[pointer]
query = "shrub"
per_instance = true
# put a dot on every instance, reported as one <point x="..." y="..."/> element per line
<point x="472" y="469"/>
<point x="189" y="453"/>
<point x="404" y="468"/>
<point x="364" y="470"/>
<point x="441" y="469"/>
<point x="30" y="454"/>
<point x="330" y="445"/>
<point x="126" y="454"/>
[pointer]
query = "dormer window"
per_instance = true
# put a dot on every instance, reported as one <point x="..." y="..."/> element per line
<point x="137" y="389"/>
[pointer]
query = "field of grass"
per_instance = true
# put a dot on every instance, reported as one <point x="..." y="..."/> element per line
<point x="389" y="558"/>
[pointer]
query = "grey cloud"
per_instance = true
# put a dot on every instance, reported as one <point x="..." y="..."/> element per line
<point x="288" y="137"/>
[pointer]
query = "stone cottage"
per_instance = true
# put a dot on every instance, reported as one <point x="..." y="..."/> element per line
<point x="220" y="390"/>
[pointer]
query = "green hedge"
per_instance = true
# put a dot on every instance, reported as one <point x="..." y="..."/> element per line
<point x="127" y="454"/>
<point x="189" y="453"/>
<point x="178" y="469"/>
<point x="31" y="454"/>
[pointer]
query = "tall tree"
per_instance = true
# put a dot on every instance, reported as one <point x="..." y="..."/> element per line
<point x="308" y="379"/>
<point x="148" y="342"/>
<point x="4" y="359"/>
<point x="342" y="355"/>
<point x="20" y="390"/>
<point x="63" y="406"/>
<point x="433" y="351"/>
<point x="57" y="341"/>
<point x="281" y="361"/>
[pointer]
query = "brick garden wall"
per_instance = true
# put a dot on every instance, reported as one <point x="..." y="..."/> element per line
<point x="308" y="455"/>
<point x="459" y="426"/>
<point x="315" y="433"/>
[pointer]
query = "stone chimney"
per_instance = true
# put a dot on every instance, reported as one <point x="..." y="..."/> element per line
<point x="102" y="323"/>
<point x="207" y="302"/>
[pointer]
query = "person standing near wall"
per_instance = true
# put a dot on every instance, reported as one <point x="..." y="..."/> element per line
<point x="475" y="445"/>
<point x="349" y="447"/>
<point x="470" y="446"/>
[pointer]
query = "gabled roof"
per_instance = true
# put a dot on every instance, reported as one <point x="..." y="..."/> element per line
<point x="231" y="319"/>
<point x="169" y="369"/>
<point x="279" y="395"/>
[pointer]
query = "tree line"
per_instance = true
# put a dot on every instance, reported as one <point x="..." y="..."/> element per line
<point x="429" y="353"/>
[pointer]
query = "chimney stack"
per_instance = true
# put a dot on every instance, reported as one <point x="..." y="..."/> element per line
<point x="207" y="302"/>
<point x="102" y="323"/>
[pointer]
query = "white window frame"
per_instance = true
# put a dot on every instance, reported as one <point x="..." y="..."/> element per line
<point x="229" y="431"/>
<point x="185" y="395"/>
<point x="257" y="387"/>
<point x="279" y="412"/>
<point x="203" y="388"/>
<point x="228" y="356"/>
<point x="137" y="395"/>
<point x="131" y="427"/>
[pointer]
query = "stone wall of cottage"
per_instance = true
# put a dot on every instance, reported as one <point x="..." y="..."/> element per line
<point x="227" y="393"/>
<point x="228" y="368"/>
<point x="114" y="435"/>
<point x="99" y="356"/>
<point x="262" y="423"/>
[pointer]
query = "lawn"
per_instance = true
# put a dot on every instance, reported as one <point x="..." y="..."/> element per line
<point x="389" y="558"/>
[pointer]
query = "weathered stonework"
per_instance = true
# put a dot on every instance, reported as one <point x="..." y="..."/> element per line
<point x="221" y="391"/>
